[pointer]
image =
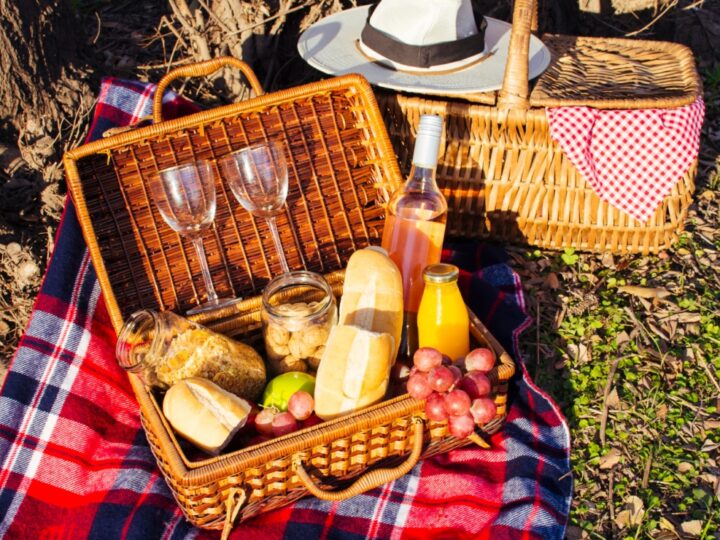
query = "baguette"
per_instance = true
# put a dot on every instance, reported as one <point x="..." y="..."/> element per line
<point x="354" y="371"/>
<point x="372" y="296"/>
<point x="205" y="414"/>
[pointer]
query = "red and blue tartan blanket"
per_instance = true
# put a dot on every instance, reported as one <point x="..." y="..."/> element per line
<point x="74" y="461"/>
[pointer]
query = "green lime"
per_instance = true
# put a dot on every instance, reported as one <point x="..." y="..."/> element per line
<point x="279" y="390"/>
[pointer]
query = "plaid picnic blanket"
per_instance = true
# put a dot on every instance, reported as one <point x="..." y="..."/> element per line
<point x="75" y="462"/>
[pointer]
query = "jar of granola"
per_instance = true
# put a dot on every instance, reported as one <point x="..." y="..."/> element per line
<point x="162" y="348"/>
<point x="298" y="310"/>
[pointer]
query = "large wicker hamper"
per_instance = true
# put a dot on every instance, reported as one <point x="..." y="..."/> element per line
<point x="503" y="175"/>
<point x="342" y="169"/>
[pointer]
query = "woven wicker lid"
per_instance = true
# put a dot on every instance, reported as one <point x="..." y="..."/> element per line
<point x="341" y="170"/>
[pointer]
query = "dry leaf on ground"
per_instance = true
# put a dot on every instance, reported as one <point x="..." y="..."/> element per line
<point x="579" y="353"/>
<point x="688" y="317"/>
<point x="658" y="331"/>
<point x="709" y="446"/>
<point x="622" y="338"/>
<point x="607" y="260"/>
<point x="684" y="467"/>
<point x="609" y="460"/>
<point x="613" y="400"/>
<point x="645" y="292"/>
<point x="693" y="528"/>
<point x="666" y="525"/>
<point x="666" y="535"/>
<point x="632" y="514"/>
<point x="552" y="281"/>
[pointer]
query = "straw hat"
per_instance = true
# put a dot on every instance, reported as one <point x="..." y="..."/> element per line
<point x="442" y="47"/>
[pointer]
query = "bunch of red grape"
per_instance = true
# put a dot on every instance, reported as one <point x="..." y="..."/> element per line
<point x="460" y="398"/>
<point x="272" y="422"/>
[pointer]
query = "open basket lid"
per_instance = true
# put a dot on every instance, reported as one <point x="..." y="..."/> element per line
<point x="341" y="170"/>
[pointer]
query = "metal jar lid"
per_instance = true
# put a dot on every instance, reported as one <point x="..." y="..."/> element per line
<point x="441" y="273"/>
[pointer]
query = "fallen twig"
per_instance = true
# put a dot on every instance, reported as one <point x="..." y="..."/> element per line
<point x="99" y="29"/>
<point x="665" y="10"/>
<point x="611" y="504"/>
<point x="701" y="360"/>
<point x="606" y="393"/>
<point x="646" y="471"/>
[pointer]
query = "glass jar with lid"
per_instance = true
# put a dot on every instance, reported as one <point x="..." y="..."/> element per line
<point x="298" y="310"/>
<point x="162" y="348"/>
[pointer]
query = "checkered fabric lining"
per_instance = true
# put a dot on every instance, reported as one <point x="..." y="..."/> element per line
<point x="631" y="158"/>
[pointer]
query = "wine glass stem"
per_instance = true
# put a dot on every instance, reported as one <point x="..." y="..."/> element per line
<point x="278" y="245"/>
<point x="212" y="295"/>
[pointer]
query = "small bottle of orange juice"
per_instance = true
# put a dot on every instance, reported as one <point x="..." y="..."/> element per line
<point x="443" y="321"/>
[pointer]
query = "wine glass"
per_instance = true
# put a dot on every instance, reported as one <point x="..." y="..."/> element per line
<point x="258" y="177"/>
<point x="185" y="196"/>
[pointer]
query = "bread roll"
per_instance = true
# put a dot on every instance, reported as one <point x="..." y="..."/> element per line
<point x="373" y="294"/>
<point x="354" y="371"/>
<point x="205" y="414"/>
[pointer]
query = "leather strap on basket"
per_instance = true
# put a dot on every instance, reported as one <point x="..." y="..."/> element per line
<point x="515" y="88"/>
<point x="232" y="508"/>
<point x="477" y="439"/>
<point x="369" y="480"/>
<point x="202" y="69"/>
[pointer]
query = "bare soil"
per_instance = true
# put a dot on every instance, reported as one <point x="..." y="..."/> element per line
<point x="115" y="39"/>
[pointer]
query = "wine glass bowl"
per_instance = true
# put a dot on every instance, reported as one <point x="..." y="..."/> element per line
<point x="258" y="177"/>
<point x="185" y="197"/>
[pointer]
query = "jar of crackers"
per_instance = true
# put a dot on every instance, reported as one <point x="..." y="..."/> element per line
<point x="163" y="348"/>
<point x="298" y="310"/>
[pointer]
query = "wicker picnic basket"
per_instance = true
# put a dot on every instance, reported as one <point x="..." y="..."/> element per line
<point x="503" y="175"/>
<point x="341" y="169"/>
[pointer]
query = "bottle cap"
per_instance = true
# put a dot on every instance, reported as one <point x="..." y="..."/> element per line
<point x="427" y="142"/>
<point x="441" y="273"/>
<point x="432" y="124"/>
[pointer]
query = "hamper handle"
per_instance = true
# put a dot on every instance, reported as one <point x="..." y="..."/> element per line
<point x="515" y="86"/>
<point x="202" y="69"/>
<point x="370" y="480"/>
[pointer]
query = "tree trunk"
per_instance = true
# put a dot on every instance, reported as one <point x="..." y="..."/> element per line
<point x="40" y="89"/>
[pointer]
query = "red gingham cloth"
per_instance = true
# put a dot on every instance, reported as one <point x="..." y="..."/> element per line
<point x="631" y="158"/>
<point x="75" y="463"/>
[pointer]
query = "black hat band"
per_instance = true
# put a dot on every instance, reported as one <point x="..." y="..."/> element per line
<point x="424" y="56"/>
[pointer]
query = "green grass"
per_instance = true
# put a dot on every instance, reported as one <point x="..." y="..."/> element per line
<point x="660" y="439"/>
<point x="638" y="378"/>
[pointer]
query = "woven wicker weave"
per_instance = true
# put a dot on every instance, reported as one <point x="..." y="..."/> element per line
<point x="341" y="170"/>
<point x="503" y="175"/>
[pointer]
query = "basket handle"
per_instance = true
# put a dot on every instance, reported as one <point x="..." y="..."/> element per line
<point x="369" y="480"/>
<point x="515" y="88"/>
<point x="202" y="69"/>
